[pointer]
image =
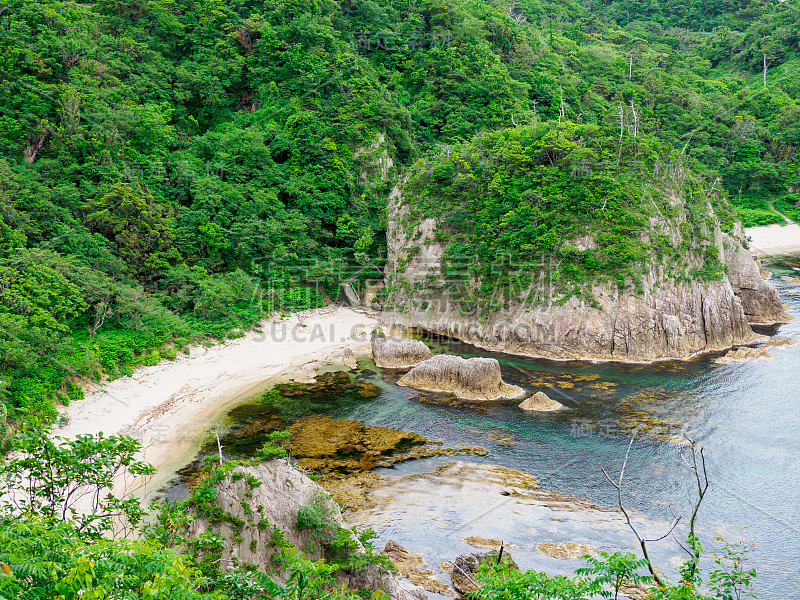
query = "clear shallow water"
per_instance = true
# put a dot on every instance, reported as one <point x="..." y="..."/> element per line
<point x="744" y="414"/>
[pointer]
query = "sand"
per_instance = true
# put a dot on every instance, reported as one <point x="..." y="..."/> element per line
<point x="774" y="240"/>
<point x="170" y="405"/>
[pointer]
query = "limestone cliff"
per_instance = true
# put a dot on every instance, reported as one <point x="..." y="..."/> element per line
<point x="670" y="313"/>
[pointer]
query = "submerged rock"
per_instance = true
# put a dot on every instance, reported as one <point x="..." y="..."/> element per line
<point x="331" y="385"/>
<point x="326" y="444"/>
<point x="540" y="402"/>
<point x="470" y="379"/>
<point x="791" y="279"/>
<point x="748" y="353"/>
<point x="491" y="543"/>
<point x="565" y="550"/>
<point x="394" y="353"/>
<point x="345" y="447"/>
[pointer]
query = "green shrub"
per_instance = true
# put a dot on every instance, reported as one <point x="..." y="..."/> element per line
<point x="758" y="217"/>
<point x="318" y="515"/>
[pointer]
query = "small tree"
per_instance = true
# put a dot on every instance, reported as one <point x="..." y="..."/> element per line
<point x="616" y="569"/>
<point x="73" y="480"/>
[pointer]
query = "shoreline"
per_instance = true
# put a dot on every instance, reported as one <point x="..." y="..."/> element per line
<point x="169" y="406"/>
<point x="757" y="339"/>
<point x="774" y="240"/>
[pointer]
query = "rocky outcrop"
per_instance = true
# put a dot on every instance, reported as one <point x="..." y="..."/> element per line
<point x="760" y="302"/>
<point x="748" y="353"/>
<point x="349" y="359"/>
<point x="279" y="491"/>
<point x="394" y="353"/>
<point x="667" y="317"/>
<point x="255" y="505"/>
<point x="540" y="402"/>
<point x="326" y="445"/>
<point x="469" y="379"/>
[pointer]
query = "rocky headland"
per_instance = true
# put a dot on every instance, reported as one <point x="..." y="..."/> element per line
<point x="674" y="311"/>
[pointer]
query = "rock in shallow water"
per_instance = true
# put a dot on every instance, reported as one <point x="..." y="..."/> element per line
<point x="326" y="444"/>
<point x="748" y="353"/>
<point x="469" y="379"/>
<point x="412" y="566"/>
<point x="491" y="543"/>
<point x="565" y="550"/>
<point x="349" y="359"/>
<point x="394" y="353"/>
<point x="540" y="402"/>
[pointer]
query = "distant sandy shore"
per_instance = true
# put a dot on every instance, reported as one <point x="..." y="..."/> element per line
<point x="774" y="240"/>
<point x="169" y="406"/>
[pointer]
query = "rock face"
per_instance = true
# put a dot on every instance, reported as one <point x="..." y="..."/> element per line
<point x="760" y="302"/>
<point x="276" y="499"/>
<point x="252" y="503"/>
<point x="540" y="402"/>
<point x="666" y="318"/>
<point x="394" y="353"/>
<point x="470" y="379"/>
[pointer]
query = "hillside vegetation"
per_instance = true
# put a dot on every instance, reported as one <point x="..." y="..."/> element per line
<point x="174" y="169"/>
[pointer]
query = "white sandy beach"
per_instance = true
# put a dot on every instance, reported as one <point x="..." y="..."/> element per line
<point x="168" y="406"/>
<point x="774" y="240"/>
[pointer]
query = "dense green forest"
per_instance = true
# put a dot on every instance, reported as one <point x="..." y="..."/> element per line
<point x="174" y="169"/>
